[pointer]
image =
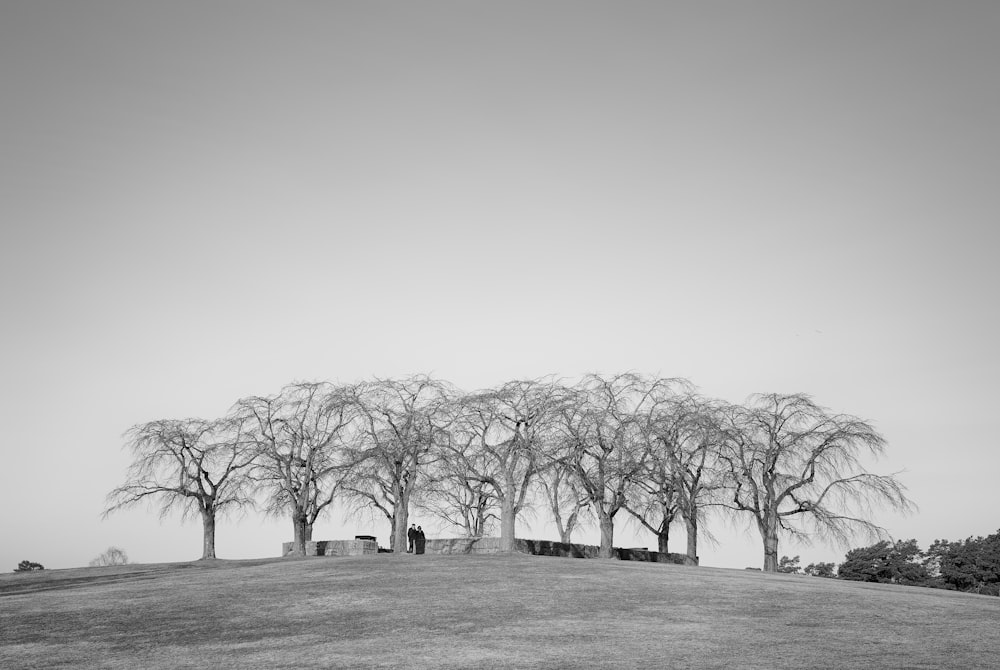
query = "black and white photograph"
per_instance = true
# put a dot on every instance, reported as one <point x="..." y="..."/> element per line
<point x="499" y="334"/>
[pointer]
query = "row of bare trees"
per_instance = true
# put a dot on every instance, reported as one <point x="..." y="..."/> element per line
<point x="649" y="449"/>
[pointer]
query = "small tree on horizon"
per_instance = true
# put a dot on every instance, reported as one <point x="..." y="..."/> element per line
<point x="28" y="566"/>
<point x="820" y="569"/>
<point x="788" y="565"/>
<point x="111" y="556"/>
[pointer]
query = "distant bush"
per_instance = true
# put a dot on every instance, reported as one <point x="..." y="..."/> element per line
<point x="111" y="556"/>
<point x="886" y="562"/>
<point x="28" y="566"/>
<point x="820" y="569"/>
<point x="788" y="565"/>
<point x="971" y="565"/>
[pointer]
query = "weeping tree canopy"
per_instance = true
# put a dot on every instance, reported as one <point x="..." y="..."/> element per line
<point x="796" y="470"/>
<point x="648" y="445"/>
<point x="194" y="466"/>
<point x="401" y="425"/>
<point x="503" y="439"/>
<point x="301" y="437"/>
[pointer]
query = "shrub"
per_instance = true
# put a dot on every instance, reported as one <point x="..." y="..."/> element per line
<point x="970" y="565"/>
<point x="820" y="569"/>
<point x="28" y="566"/>
<point x="789" y="565"/>
<point x="885" y="562"/>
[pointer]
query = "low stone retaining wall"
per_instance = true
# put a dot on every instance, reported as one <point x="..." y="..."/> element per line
<point x="652" y="556"/>
<point x="484" y="545"/>
<point x="463" y="545"/>
<point x="334" y="548"/>
<point x="549" y="548"/>
<point x="491" y="545"/>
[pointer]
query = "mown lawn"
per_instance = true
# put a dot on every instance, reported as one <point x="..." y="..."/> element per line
<point x="512" y="611"/>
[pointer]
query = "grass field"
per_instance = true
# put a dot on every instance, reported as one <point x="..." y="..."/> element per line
<point x="505" y="611"/>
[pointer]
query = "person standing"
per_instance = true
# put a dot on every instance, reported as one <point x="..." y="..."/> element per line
<point x="420" y="540"/>
<point x="411" y="535"/>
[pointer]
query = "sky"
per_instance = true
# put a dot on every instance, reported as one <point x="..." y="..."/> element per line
<point x="203" y="201"/>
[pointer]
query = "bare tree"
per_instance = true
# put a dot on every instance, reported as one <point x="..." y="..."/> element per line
<point x="568" y="505"/>
<point x="680" y="476"/>
<point x="502" y="440"/>
<point x="401" y="423"/>
<point x="795" y="469"/>
<point x="654" y="503"/>
<point x="603" y="444"/>
<point x="301" y="437"/>
<point x="454" y="494"/>
<point x="111" y="556"/>
<point x="191" y="465"/>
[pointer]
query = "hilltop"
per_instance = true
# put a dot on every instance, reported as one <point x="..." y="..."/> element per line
<point x="496" y="611"/>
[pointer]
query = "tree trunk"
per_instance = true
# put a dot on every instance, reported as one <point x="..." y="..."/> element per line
<point x="300" y="528"/>
<point x="769" y="533"/>
<point x="663" y="537"/>
<point x="566" y="536"/>
<point x="691" y="525"/>
<point x="480" y="527"/>
<point x="607" y="523"/>
<point x="508" y="516"/>
<point x="208" y="534"/>
<point x="400" y="519"/>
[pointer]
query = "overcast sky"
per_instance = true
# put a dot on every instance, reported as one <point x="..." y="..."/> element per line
<point x="207" y="200"/>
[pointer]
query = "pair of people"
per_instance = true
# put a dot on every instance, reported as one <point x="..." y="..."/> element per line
<point x="417" y="538"/>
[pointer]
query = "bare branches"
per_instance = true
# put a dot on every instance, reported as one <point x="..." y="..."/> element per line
<point x="401" y="427"/>
<point x="605" y="432"/>
<point x="191" y="465"/>
<point x="796" y="469"/>
<point x="647" y="445"/>
<point x="504" y="439"/>
<point x="301" y="438"/>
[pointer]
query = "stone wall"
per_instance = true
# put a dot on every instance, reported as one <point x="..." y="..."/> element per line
<point x="549" y="548"/>
<point x="335" y="548"/>
<point x="652" y="556"/>
<point x="463" y="545"/>
<point x="484" y="545"/>
<point x="491" y="545"/>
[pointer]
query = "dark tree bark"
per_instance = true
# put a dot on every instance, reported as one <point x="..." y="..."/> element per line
<point x="208" y="534"/>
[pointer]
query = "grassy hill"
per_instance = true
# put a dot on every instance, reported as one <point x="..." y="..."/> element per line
<point x="498" y="611"/>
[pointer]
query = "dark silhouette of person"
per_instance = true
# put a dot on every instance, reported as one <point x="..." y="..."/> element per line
<point x="420" y="540"/>
<point x="411" y="535"/>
